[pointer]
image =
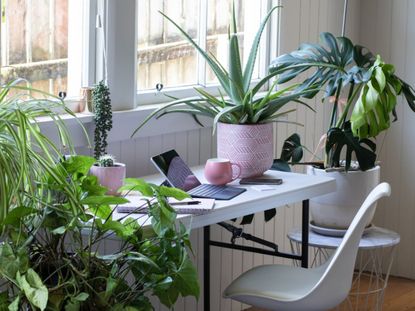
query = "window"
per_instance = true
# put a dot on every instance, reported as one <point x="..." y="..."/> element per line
<point x="41" y="41"/>
<point x="165" y="57"/>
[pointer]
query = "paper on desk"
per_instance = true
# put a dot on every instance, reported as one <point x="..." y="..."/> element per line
<point x="139" y="205"/>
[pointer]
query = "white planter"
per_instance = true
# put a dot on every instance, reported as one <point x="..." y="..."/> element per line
<point x="337" y="209"/>
<point x="251" y="146"/>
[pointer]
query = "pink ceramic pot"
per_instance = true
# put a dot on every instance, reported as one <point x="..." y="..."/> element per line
<point x="110" y="177"/>
<point x="251" y="146"/>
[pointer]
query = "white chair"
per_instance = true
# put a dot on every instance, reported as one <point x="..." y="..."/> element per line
<point x="279" y="287"/>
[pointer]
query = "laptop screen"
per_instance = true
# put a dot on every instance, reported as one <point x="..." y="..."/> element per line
<point x="175" y="170"/>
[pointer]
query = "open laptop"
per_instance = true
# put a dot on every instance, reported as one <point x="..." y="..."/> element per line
<point x="179" y="175"/>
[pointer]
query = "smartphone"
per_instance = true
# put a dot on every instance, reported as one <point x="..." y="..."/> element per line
<point x="260" y="181"/>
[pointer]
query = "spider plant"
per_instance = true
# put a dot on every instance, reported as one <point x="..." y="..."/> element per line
<point x="239" y="102"/>
<point x="26" y="154"/>
<point x="372" y="89"/>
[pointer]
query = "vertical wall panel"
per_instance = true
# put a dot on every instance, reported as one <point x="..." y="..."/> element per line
<point x="388" y="29"/>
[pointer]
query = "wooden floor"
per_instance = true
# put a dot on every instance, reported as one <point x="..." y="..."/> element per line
<point x="400" y="296"/>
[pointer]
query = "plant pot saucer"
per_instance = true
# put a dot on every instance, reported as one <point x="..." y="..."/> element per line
<point x="332" y="231"/>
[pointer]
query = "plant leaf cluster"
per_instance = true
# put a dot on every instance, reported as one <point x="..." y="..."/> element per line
<point x="25" y="152"/>
<point x="239" y="102"/>
<point x="372" y="89"/>
<point x="102" y="117"/>
<point x="52" y="251"/>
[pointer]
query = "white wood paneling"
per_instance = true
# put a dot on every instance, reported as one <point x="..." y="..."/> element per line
<point x="388" y="29"/>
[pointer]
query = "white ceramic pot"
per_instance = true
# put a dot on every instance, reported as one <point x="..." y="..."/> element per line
<point x="336" y="210"/>
<point x="110" y="177"/>
<point x="251" y="146"/>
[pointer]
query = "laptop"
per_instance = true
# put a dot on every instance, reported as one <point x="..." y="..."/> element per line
<point x="179" y="175"/>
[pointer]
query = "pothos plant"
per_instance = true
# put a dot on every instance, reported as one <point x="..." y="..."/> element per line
<point x="52" y="254"/>
<point x="102" y="116"/>
<point x="338" y="66"/>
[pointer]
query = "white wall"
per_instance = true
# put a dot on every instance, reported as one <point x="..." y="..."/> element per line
<point x="388" y="29"/>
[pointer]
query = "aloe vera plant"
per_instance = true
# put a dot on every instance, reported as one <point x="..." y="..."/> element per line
<point x="239" y="102"/>
<point x="372" y="88"/>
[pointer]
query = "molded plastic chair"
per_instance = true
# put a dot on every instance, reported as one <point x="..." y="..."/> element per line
<point x="279" y="287"/>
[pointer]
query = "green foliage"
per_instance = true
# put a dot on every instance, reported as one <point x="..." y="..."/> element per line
<point x="372" y="92"/>
<point x="102" y="117"/>
<point x="52" y="256"/>
<point x="241" y="103"/>
<point x="25" y="153"/>
<point x="106" y="160"/>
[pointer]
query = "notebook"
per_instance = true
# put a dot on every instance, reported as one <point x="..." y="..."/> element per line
<point x="139" y="206"/>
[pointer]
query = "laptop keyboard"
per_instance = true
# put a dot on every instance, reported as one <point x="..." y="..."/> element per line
<point x="206" y="190"/>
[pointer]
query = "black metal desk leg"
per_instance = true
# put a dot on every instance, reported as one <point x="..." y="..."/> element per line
<point x="304" y="236"/>
<point x="206" y="268"/>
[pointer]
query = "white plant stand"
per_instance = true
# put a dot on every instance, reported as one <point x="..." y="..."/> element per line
<point x="376" y="252"/>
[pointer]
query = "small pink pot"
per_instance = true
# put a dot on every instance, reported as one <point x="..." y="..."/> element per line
<point x="251" y="146"/>
<point x="110" y="177"/>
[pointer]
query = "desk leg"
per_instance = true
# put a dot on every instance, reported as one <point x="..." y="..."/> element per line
<point x="304" y="234"/>
<point x="206" y="268"/>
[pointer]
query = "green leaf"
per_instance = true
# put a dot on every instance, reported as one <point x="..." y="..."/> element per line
<point x="338" y="138"/>
<point x="81" y="297"/>
<point x="103" y="200"/>
<point x="136" y="184"/>
<point x="14" y="306"/>
<point x="101" y="211"/>
<point x="59" y="231"/>
<point x="235" y="71"/>
<point x="250" y="64"/>
<point x="16" y="215"/>
<point x="186" y="280"/>
<point x="173" y="192"/>
<point x="292" y="149"/>
<point x="33" y="288"/>
<point x="78" y="164"/>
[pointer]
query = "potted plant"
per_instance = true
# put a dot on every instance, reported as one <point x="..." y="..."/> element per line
<point x="363" y="91"/>
<point x="109" y="173"/>
<point x="242" y="115"/>
<point x="51" y="255"/>
<point x="25" y="152"/>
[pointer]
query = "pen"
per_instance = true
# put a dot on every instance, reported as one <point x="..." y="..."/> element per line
<point x="185" y="203"/>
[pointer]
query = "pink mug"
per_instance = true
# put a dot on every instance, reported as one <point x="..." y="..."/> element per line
<point x="219" y="171"/>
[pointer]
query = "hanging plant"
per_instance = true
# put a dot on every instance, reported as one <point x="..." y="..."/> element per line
<point x="103" y="117"/>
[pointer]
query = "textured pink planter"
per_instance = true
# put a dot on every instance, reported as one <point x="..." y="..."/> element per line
<point x="251" y="146"/>
<point x="110" y="177"/>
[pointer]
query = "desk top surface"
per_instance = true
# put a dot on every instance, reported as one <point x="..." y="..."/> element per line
<point x="295" y="188"/>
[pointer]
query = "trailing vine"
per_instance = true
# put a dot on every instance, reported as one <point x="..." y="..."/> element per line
<point x="103" y="117"/>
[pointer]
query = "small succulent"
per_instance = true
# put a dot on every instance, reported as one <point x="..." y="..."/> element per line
<point x="106" y="160"/>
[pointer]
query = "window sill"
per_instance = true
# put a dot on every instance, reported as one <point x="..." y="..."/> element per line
<point x="124" y="123"/>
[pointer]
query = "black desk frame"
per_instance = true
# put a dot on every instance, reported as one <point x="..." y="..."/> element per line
<point x="207" y="242"/>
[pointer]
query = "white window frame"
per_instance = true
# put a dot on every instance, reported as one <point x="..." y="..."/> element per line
<point x="121" y="38"/>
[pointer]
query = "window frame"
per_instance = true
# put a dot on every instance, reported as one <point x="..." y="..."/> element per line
<point x="122" y="80"/>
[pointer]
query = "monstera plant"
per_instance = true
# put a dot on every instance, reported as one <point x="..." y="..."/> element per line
<point x="337" y="66"/>
<point x="363" y="92"/>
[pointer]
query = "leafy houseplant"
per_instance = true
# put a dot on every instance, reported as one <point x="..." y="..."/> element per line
<point x="240" y="110"/>
<point x="110" y="174"/>
<point x="52" y="256"/>
<point x="25" y="152"/>
<point x="372" y="87"/>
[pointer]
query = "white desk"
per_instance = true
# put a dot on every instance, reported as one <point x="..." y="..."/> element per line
<point x="295" y="188"/>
